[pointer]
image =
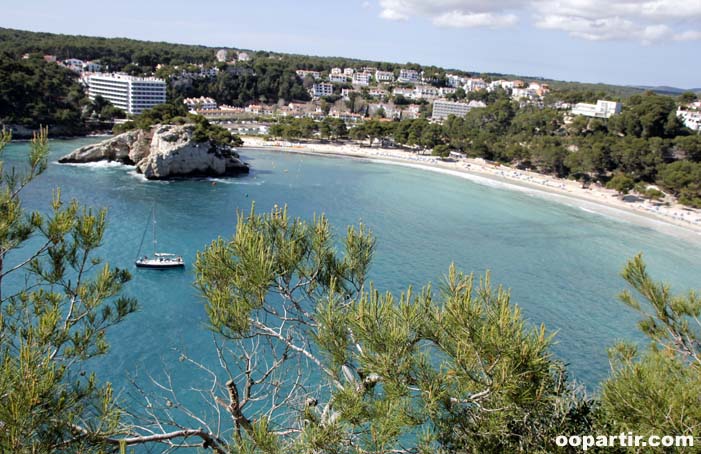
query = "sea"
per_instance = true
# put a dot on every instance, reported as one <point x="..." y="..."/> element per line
<point x="562" y="263"/>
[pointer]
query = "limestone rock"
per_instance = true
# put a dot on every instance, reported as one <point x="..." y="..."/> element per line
<point x="165" y="152"/>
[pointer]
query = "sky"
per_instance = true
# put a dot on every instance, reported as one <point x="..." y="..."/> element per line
<point x="626" y="42"/>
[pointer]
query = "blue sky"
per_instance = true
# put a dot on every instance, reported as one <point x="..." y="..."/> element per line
<point x="646" y="42"/>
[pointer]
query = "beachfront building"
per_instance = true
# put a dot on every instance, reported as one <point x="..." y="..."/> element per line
<point x="362" y="78"/>
<point x="443" y="109"/>
<point x="321" y="89"/>
<point x="602" y="109"/>
<point x="408" y="76"/>
<point x="201" y="103"/>
<point x="384" y="76"/>
<point x="131" y="94"/>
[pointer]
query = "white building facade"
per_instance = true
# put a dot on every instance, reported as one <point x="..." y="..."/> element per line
<point x="443" y="109"/>
<point x="362" y="78"/>
<point x="602" y="109"/>
<point x="408" y="76"/>
<point x="321" y="89"/>
<point x="129" y="93"/>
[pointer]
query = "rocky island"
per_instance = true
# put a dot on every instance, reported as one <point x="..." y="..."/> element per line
<point x="165" y="152"/>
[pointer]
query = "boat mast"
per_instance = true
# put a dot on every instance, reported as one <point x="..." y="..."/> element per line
<point x="155" y="242"/>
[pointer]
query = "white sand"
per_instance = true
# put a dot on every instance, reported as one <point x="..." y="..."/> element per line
<point x="674" y="219"/>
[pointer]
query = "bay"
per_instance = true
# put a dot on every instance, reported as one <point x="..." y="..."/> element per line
<point x="561" y="263"/>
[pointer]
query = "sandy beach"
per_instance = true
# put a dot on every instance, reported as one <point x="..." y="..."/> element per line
<point x="674" y="218"/>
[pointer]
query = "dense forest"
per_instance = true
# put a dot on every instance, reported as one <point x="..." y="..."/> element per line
<point x="33" y="93"/>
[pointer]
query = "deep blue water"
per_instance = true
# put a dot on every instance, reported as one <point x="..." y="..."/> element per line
<point x="561" y="262"/>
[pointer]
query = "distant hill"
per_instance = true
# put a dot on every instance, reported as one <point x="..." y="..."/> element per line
<point x="120" y="53"/>
<point x="665" y="90"/>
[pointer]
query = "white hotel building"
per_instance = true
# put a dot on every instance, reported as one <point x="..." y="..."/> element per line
<point x="443" y="109"/>
<point x="129" y="93"/>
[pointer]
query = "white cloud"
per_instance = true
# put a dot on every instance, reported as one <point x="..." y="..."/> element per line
<point x="459" y="19"/>
<point x="689" y="35"/>
<point x="646" y="21"/>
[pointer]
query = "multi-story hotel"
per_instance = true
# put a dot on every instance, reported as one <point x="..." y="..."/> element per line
<point x="129" y="93"/>
<point x="443" y="109"/>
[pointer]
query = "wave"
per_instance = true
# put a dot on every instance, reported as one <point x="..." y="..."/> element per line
<point x="236" y="181"/>
<point x="96" y="165"/>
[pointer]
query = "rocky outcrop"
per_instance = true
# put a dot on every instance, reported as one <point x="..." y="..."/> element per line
<point x="165" y="152"/>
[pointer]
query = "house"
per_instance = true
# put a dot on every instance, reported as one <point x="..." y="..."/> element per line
<point x="201" y="103"/>
<point x="475" y="85"/>
<point x="384" y="76"/>
<point x="321" y="89"/>
<point x="362" y="78"/>
<point x="302" y="73"/>
<point x="349" y="72"/>
<point x="455" y="81"/>
<point x="443" y="91"/>
<point x="243" y="56"/>
<point x="74" y="64"/>
<point x="425" y="92"/>
<point x="222" y="55"/>
<point x="408" y="76"/>
<point x="336" y="71"/>
<point x="602" y="109"/>
<point x="338" y="78"/>
<point x="92" y="67"/>
<point x="377" y="92"/>
<point x="406" y="92"/>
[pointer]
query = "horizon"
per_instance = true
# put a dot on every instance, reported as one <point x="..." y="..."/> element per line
<point x="658" y="59"/>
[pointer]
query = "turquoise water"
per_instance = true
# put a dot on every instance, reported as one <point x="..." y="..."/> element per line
<point x="561" y="262"/>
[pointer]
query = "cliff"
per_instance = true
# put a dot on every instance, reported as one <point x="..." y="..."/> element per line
<point x="164" y="152"/>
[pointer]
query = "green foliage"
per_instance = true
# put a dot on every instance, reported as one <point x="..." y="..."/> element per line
<point x="456" y="369"/>
<point x="621" y="183"/>
<point x="55" y="322"/>
<point x="115" y="53"/>
<point x="656" y="392"/>
<point x="683" y="178"/>
<point x="34" y="92"/>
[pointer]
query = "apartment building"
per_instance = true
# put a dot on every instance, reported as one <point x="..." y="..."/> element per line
<point x="362" y="78"/>
<point x="602" y="109"/>
<point x="408" y="76"/>
<point x="321" y="89"/>
<point x="443" y="109"/>
<point x="384" y="76"/>
<point x="129" y="93"/>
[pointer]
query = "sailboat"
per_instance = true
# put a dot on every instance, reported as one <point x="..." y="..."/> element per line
<point x="160" y="260"/>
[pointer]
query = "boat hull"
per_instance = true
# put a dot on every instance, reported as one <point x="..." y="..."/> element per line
<point x="160" y="266"/>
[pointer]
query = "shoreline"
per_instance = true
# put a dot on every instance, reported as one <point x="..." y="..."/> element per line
<point x="675" y="220"/>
